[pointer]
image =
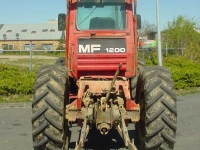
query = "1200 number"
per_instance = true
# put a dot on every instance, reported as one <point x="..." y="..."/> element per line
<point x="115" y="50"/>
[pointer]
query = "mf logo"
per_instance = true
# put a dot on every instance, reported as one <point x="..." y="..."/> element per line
<point x="89" y="48"/>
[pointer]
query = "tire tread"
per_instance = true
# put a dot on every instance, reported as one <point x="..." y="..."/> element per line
<point x="158" y="125"/>
<point x="48" y="107"/>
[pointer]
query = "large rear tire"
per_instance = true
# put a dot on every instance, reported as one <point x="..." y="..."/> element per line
<point x="49" y="127"/>
<point x="60" y="61"/>
<point x="141" y="66"/>
<point x="158" y="116"/>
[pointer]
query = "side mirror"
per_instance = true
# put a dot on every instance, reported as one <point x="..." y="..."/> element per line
<point x="139" y="26"/>
<point x="61" y="22"/>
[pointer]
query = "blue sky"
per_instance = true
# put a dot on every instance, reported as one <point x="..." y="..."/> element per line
<point x="169" y="9"/>
<point x="39" y="11"/>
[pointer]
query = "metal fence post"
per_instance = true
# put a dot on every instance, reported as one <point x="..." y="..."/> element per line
<point x="166" y="49"/>
<point x="30" y="56"/>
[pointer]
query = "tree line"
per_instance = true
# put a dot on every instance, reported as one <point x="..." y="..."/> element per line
<point x="182" y="32"/>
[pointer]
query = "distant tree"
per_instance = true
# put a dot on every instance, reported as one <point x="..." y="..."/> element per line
<point x="60" y="45"/>
<point x="147" y="28"/>
<point x="182" y="33"/>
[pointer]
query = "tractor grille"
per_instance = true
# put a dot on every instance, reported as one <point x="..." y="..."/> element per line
<point x="101" y="54"/>
<point x="101" y="62"/>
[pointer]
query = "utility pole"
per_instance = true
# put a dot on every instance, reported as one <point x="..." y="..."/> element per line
<point x="31" y="56"/>
<point x="158" y="34"/>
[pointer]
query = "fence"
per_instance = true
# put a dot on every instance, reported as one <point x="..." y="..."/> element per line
<point x="33" y="59"/>
<point x="146" y="53"/>
<point x="28" y="47"/>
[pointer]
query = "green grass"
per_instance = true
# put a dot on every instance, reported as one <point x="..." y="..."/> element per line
<point x="25" y="53"/>
<point x="15" y="98"/>
<point x="186" y="91"/>
<point x="28" y="98"/>
<point x="36" y="62"/>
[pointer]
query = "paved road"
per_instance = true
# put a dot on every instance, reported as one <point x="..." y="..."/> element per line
<point x="15" y="126"/>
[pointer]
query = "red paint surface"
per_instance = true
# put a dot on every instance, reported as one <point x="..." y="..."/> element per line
<point x="100" y="64"/>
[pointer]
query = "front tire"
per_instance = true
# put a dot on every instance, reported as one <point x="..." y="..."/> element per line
<point x="158" y="116"/>
<point x="49" y="127"/>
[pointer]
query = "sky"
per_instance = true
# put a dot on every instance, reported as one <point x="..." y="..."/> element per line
<point x="39" y="11"/>
<point x="169" y="10"/>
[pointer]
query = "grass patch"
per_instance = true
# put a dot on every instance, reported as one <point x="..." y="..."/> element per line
<point x="25" y="62"/>
<point x="16" y="98"/>
<point x="186" y="91"/>
<point x="15" y="80"/>
<point x="42" y="53"/>
<point x="28" y="98"/>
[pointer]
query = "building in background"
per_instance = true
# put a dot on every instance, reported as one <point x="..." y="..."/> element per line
<point x="20" y="36"/>
<point x="149" y="41"/>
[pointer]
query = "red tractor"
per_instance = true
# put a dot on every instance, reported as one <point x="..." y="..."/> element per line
<point x="101" y="83"/>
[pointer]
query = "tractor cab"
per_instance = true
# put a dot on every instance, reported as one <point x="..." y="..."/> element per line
<point x="101" y="15"/>
<point x="99" y="35"/>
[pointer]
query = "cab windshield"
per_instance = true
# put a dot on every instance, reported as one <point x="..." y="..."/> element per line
<point x="101" y="16"/>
